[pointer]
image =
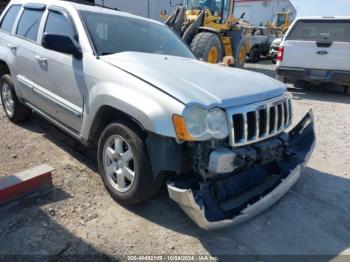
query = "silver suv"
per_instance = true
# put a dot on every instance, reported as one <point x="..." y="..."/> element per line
<point x="131" y="88"/>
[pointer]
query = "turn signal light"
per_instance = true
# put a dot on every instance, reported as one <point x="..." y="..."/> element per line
<point x="181" y="129"/>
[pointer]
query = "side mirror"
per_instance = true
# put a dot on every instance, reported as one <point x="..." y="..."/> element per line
<point x="62" y="44"/>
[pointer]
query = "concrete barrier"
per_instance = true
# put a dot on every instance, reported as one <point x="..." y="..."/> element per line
<point x="37" y="179"/>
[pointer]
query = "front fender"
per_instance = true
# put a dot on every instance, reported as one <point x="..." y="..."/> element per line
<point x="151" y="108"/>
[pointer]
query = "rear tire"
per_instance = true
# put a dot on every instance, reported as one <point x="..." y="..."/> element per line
<point x="254" y="55"/>
<point x="14" y="109"/>
<point x="207" y="46"/>
<point x="124" y="164"/>
<point x="347" y="90"/>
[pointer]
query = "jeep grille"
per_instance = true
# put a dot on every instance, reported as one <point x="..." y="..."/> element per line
<point x="253" y="123"/>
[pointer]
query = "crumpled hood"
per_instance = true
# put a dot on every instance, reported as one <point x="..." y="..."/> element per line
<point x="195" y="82"/>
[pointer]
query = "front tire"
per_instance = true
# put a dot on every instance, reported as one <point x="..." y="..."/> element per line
<point x="124" y="164"/>
<point x="14" y="109"/>
<point x="207" y="46"/>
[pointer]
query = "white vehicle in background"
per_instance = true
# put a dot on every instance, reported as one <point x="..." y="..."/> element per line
<point x="317" y="50"/>
<point x="274" y="47"/>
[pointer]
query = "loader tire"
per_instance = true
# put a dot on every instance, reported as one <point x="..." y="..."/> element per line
<point x="240" y="54"/>
<point x="207" y="46"/>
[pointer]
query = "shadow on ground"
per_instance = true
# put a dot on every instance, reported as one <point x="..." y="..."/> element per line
<point x="71" y="146"/>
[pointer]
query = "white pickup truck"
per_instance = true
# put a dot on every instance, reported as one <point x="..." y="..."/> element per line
<point x="316" y="49"/>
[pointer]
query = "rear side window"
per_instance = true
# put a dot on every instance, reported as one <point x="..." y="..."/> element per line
<point x="58" y="24"/>
<point x="10" y="18"/>
<point x="314" y="30"/>
<point x="28" y="25"/>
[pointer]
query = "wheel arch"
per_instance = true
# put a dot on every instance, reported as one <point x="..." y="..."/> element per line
<point x="104" y="116"/>
<point x="164" y="153"/>
<point x="4" y="68"/>
<point x="148" y="109"/>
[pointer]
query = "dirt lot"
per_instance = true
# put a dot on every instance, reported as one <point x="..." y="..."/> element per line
<point x="79" y="217"/>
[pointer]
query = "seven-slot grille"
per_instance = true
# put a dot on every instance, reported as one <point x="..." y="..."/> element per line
<point x="253" y="123"/>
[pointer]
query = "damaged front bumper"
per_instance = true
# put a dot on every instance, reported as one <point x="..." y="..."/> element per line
<point x="211" y="207"/>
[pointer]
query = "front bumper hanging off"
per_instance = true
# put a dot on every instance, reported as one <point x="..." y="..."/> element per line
<point x="212" y="213"/>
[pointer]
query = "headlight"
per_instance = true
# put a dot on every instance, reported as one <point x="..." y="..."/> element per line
<point x="198" y="124"/>
<point x="216" y="122"/>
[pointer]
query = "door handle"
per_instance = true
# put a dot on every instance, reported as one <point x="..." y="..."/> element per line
<point x="41" y="59"/>
<point x="12" y="47"/>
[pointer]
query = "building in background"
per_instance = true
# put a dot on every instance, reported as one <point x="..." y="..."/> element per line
<point x="259" y="12"/>
<point x="256" y="11"/>
<point x="146" y="8"/>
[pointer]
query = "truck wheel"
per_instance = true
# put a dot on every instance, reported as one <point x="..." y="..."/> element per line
<point x="124" y="164"/>
<point x="255" y="55"/>
<point x="207" y="46"/>
<point x="14" y="109"/>
<point x="347" y="90"/>
<point x="240" y="54"/>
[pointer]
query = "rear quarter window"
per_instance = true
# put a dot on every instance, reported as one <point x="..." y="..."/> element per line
<point x="314" y="30"/>
<point x="9" y="19"/>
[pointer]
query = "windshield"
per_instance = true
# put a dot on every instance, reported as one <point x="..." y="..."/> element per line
<point x="112" y="34"/>
<point x="212" y="5"/>
<point x="280" y="19"/>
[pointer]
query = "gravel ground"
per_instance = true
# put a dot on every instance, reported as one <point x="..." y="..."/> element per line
<point x="80" y="218"/>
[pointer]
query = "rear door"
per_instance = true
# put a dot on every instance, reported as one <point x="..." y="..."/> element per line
<point x="24" y="46"/>
<point x="8" y="41"/>
<point x="318" y="44"/>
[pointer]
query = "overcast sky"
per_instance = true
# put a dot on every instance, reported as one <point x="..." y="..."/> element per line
<point x="322" y="7"/>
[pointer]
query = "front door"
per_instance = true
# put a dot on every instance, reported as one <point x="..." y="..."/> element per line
<point x="61" y="76"/>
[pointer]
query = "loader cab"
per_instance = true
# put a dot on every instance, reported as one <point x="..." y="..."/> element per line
<point x="218" y="8"/>
<point x="281" y="20"/>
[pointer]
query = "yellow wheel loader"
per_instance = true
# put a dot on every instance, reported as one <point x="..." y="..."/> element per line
<point x="282" y="21"/>
<point x="210" y="29"/>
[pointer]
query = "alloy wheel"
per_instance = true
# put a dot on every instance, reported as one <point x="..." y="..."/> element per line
<point x="118" y="162"/>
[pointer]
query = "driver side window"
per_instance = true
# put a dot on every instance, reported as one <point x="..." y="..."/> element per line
<point x="59" y="24"/>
